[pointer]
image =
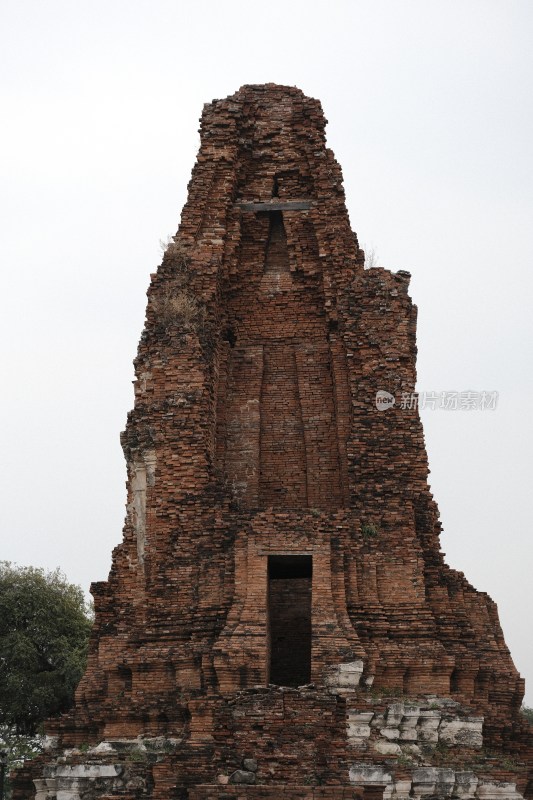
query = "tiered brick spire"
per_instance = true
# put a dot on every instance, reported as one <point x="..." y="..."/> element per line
<point x="280" y="528"/>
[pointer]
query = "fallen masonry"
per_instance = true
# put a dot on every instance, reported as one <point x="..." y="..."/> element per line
<point x="279" y="620"/>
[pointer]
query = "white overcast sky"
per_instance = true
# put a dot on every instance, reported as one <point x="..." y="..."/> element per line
<point x="430" y="115"/>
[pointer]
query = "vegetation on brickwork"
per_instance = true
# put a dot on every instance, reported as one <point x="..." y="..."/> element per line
<point x="177" y="305"/>
<point x="487" y="755"/>
<point x="527" y="712"/>
<point x="175" y="253"/>
<point x="377" y="693"/>
<point x="137" y="754"/>
<point x="442" y="753"/>
<point x="510" y="764"/>
<point x="314" y="779"/>
<point x="369" y="530"/>
<point x="404" y="760"/>
<point x="371" y="257"/>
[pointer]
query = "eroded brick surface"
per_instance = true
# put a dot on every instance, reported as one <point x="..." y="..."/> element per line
<point x="255" y="434"/>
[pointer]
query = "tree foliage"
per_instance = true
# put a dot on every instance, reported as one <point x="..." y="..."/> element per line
<point x="44" y="631"/>
<point x="18" y="748"/>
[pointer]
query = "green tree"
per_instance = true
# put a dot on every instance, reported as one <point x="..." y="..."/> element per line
<point x="44" y="631"/>
<point x="17" y="748"/>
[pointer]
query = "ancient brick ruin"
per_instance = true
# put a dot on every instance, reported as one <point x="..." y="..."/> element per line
<point x="279" y="620"/>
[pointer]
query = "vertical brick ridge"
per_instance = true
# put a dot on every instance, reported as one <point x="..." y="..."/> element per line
<point x="283" y="473"/>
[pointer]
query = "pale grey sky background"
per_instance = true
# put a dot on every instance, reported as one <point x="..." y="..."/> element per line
<point x="430" y="108"/>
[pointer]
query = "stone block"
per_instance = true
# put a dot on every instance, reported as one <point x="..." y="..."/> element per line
<point x="433" y="781"/>
<point x="458" y="731"/>
<point x="91" y="771"/>
<point x="242" y="776"/>
<point x="387" y="748"/>
<point x="395" y="714"/>
<point x="497" y="790"/>
<point x="369" y="775"/>
<point x="344" y="678"/>
<point x="465" y="785"/>
<point x="390" y="733"/>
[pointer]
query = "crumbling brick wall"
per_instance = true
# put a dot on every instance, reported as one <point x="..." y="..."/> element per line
<point x="255" y="434"/>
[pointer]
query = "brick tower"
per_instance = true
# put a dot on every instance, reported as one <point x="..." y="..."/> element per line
<point x="279" y="620"/>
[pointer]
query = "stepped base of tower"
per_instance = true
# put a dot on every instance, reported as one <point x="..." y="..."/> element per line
<point x="301" y="743"/>
<point x="386" y="710"/>
<point x="303" y="792"/>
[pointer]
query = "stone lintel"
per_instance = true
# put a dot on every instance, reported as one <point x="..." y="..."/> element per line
<point x="278" y="205"/>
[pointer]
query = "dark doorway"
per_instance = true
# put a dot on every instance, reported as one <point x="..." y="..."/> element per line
<point x="289" y="611"/>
